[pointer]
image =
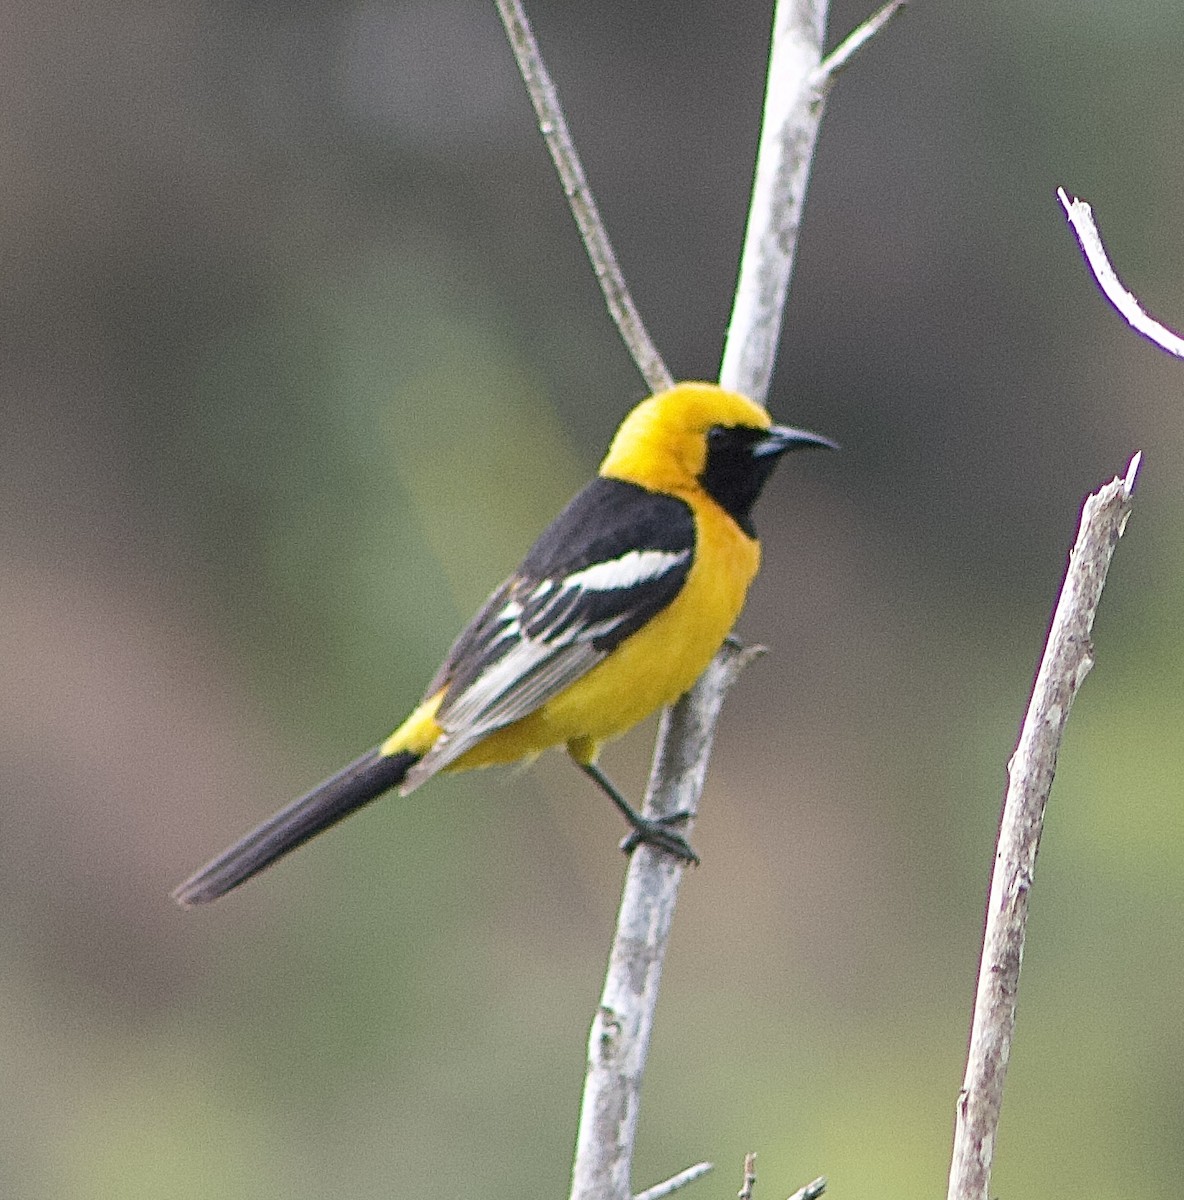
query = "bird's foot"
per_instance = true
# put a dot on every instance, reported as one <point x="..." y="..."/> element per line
<point x="660" y="833"/>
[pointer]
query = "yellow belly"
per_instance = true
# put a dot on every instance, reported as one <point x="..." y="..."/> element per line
<point x="652" y="668"/>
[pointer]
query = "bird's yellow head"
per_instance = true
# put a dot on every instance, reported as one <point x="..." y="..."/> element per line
<point x="698" y="437"/>
<point x="662" y="443"/>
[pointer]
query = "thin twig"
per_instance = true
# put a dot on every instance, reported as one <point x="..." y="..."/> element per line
<point x="553" y="126"/>
<point x="666" y="1188"/>
<point x="855" y="41"/>
<point x="745" y="1193"/>
<point x="811" y="1191"/>
<point x="1068" y="656"/>
<point x="1081" y="217"/>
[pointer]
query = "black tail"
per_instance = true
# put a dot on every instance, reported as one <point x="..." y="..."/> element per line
<point x="362" y="781"/>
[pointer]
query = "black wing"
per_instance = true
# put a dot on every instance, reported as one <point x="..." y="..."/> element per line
<point x="617" y="555"/>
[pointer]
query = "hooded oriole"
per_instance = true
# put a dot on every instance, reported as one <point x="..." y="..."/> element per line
<point x="615" y="611"/>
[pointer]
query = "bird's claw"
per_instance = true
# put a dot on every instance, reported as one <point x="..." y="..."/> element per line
<point x="659" y="833"/>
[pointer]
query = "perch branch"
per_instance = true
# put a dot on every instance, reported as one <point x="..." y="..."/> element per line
<point x="553" y="127"/>
<point x="1068" y="656"/>
<point x="796" y="90"/>
<point x="619" y="1041"/>
<point x="1081" y="217"/>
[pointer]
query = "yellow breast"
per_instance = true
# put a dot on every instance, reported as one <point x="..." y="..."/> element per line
<point x="651" y="668"/>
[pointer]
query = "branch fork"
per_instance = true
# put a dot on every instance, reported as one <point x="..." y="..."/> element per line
<point x="798" y="82"/>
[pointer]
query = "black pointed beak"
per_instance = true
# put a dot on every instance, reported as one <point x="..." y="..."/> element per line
<point x="780" y="439"/>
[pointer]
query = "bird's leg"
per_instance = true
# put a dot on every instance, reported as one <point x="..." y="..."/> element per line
<point x="658" y="832"/>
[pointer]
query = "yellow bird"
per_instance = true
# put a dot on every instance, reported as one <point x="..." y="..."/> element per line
<point x="614" y="612"/>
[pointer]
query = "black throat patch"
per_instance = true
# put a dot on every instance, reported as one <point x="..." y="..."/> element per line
<point x="734" y="475"/>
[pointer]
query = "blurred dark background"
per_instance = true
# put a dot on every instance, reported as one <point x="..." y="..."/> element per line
<point x="298" y="351"/>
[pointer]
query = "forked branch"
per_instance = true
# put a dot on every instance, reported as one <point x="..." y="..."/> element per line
<point x="797" y="85"/>
<point x="799" y="81"/>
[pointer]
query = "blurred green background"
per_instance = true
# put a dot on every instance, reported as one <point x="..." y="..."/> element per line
<point x="298" y="351"/>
